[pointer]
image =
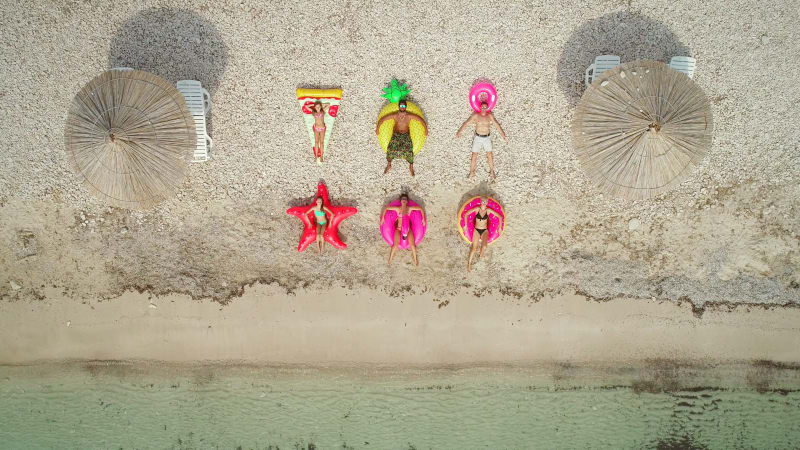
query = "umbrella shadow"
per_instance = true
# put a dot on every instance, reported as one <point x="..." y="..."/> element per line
<point x="629" y="35"/>
<point x="175" y="44"/>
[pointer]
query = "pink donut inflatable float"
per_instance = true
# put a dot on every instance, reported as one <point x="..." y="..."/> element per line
<point x="390" y="223"/>
<point x="466" y="225"/>
<point x="486" y="90"/>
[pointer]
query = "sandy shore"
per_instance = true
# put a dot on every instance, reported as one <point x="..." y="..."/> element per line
<point x="347" y="327"/>
<point x="213" y="273"/>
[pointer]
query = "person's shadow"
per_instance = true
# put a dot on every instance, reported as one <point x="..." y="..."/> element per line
<point x="630" y="36"/>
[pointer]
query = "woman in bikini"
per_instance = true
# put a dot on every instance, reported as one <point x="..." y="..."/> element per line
<point x="319" y="127"/>
<point x="480" y="233"/>
<point x="403" y="228"/>
<point x="321" y="214"/>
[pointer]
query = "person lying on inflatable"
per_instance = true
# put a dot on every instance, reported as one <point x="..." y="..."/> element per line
<point x="401" y="137"/>
<point x="480" y="233"/>
<point x="321" y="220"/>
<point x="402" y="230"/>
<point x="319" y="110"/>
<point x="483" y="120"/>
<point x="321" y="215"/>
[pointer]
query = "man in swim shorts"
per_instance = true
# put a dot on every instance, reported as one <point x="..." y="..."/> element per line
<point x="401" y="146"/>
<point x="483" y="123"/>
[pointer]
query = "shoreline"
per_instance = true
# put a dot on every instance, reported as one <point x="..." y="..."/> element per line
<point x="362" y="326"/>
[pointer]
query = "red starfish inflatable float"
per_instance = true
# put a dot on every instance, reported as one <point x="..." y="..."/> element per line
<point x="331" y="234"/>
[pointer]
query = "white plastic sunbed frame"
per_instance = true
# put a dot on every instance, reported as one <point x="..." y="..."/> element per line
<point x="199" y="102"/>
<point x="601" y="64"/>
<point x="684" y="64"/>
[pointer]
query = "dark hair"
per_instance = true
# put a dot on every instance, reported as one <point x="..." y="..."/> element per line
<point x="318" y="102"/>
<point x="485" y="104"/>
<point x="401" y="103"/>
<point x="404" y="196"/>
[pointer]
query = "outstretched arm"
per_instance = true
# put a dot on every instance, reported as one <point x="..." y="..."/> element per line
<point x="499" y="128"/>
<point x="464" y="125"/>
<point x="305" y="217"/>
<point x="383" y="119"/>
<point x="383" y="213"/>
<point x="420" y="120"/>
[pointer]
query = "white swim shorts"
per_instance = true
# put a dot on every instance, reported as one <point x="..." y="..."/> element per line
<point x="479" y="142"/>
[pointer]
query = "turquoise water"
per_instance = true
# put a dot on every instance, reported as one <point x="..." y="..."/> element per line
<point x="87" y="407"/>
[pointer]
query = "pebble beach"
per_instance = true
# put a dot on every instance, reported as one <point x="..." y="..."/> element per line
<point x="726" y="236"/>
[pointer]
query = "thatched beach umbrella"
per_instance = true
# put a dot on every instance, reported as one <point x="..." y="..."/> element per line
<point x="130" y="136"/>
<point x="641" y="128"/>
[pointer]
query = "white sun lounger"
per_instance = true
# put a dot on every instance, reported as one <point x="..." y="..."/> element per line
<point x="601" y="64"/>
<point x="199" y="102"/>
<point x="684" y="64"/>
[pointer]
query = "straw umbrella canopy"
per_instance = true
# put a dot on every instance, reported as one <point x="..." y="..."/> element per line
<point x="641" y="128"/>
<point x="130" y="135"/>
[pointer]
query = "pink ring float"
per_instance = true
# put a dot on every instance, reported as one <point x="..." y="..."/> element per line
<point x="475" y="96"/>
<point x="390" y="223"/>
<point x="495" y="227"/>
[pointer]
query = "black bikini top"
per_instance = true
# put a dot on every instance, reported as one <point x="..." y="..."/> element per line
<point x="479" y="217"/>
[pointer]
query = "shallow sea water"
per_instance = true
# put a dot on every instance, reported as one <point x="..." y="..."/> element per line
<point x="129" y="406"/>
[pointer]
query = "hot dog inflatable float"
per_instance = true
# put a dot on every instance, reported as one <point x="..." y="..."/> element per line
<point x="394" y="94"/>
<point x="305" y="213"/>
<point x="390" y="219"/>
<point x="495" y="227"/>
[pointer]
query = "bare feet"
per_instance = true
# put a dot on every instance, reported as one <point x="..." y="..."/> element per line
<point x="469" y="267"/>
<point x="471" y="174"/>
<point x="411" y="169"/>
<point x="493" y="175"/>
<point x="388" y="167"/>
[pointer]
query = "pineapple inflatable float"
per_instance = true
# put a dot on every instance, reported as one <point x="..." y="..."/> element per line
<point x="394" y="94"/>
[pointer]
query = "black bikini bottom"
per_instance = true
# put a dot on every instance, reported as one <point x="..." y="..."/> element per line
<point x="480" y="231"/>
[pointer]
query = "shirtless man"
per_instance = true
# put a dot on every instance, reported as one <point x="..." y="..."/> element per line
<point x="483" y="123"/>
<point x="401" y="145"/>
